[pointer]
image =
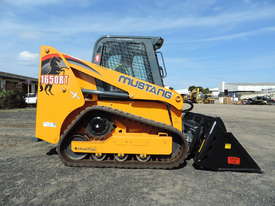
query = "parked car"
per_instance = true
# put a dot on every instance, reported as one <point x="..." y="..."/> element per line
<point x="262" y="100"/>
<point x="31" y="99"/>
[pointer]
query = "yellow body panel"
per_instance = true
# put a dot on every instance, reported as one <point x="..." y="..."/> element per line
<point x="53" y="109"/>
<point x="133" y="143"/>
<point x="176" y="117"/>
<point x="85" y="81"/>
<point x="149" y="110"/>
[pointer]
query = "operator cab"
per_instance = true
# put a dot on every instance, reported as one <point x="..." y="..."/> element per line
<point x="131" y="55"/>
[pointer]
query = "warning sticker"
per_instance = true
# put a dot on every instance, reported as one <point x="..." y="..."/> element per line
<point x="227" y="146"/>
<point x="49" y="124"/>
<point x="233" y="160"/>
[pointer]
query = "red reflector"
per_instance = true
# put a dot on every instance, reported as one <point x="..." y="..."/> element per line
<point x="97" y="58"/>
<point x="233" y="160"/>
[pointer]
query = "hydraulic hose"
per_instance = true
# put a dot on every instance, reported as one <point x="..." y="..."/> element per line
<point x="190" y="108"/>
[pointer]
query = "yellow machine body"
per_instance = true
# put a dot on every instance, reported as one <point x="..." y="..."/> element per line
<point x="106" y="117"/>
<point x="61" y="98"/>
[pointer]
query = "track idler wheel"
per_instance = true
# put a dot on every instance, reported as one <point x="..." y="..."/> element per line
<point x="75" y="155"/>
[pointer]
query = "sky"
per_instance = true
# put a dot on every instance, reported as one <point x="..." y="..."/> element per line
<point x="206" y="41"/>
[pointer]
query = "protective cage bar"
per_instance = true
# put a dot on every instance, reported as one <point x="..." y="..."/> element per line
<point x="127" y="57"/>
<point x="213" y="148"/>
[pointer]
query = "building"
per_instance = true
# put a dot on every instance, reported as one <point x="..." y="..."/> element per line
<point x="14" y="82"/>
<point x="246" y="87"/>
<point x="183" y="91"/>
<point x="214" y="92"/>
<point x="240" y="91"/>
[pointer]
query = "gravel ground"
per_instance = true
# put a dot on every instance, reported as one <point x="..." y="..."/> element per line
<point x="30" y="177"/>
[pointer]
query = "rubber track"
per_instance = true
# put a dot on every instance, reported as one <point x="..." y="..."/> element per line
<point x="175" y="163"/>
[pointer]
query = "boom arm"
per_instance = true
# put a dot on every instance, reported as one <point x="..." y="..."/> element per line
<point x="136" y="88"/>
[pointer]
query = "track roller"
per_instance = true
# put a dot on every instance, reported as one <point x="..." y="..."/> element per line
<point x="121" y="157"/>
<point x="143" y="158"/>
<point x="98" y="156"/>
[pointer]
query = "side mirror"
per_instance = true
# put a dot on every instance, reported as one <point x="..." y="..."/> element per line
<point x="162" y="70"/>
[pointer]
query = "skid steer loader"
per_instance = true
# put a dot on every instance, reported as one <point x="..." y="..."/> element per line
<point x="115" y="112"/>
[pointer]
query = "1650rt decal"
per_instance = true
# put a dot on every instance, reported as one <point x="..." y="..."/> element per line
<point x="52" y="68"/>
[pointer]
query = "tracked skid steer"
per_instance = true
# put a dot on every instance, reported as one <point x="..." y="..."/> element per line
<point x="114" y="111"/>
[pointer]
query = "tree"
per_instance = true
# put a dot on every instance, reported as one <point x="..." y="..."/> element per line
<point x="201" y="89"/>
<point x="206" y="91"/>
<point x="191" y="88"/>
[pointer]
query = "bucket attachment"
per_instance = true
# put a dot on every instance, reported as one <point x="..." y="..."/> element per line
<point x="213" y="148"/>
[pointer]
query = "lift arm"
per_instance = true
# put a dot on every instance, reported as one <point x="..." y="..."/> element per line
<point x="136" y="88"/>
